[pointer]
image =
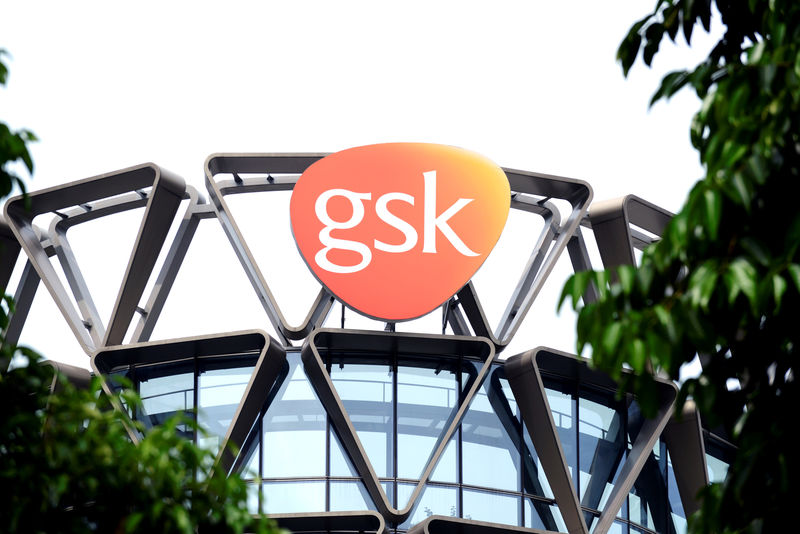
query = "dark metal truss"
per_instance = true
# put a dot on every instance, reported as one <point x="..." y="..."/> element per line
<point x="618" y="226"/>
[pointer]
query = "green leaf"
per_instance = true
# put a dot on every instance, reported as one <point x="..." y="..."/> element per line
<point x="670" y="84"/>
<point x="653" y="34"/>
<point x="794" y="274"/>
<point x="702" y="285"/>
<point x="757" y="250"/>
<point x="741" y="277"/>
<point x="627" y="276"/>
<point x="713" y="210"/>
<point x="611" y="337"/>
<point x="629" y="48"/>
<point x="778" y="289"/>
<point x="638" y="355"/>
<point x="3" y="68"/>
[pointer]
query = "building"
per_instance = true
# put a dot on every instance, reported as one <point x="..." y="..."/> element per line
<point x="376" y="429"/>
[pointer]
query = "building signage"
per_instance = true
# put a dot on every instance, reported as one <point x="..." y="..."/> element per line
<point x="394" y="230"/>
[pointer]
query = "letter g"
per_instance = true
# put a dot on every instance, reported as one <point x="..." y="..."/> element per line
<point x="332" y="243"/>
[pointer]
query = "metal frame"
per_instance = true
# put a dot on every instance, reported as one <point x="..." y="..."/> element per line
<point x="525" y="188"/>
<point x="162" y="203"/>
<point x="684" y="438"/>
<point x="524" y="375"/>
<point x="271" y="358"/>
<point x="614" y="224"/>
<point x="26" y="288"/>
<point x="380" y="345"/>
<point x="269" y="165"/>
<point x="301" y="523"/>
<point x="439" y="524"/>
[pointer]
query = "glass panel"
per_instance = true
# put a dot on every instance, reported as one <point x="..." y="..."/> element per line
<point x="446" y="469"/>
<point x="366" y="392"/>
<point x="349" y="496"/>
<point x="717" y="469"/>
<point x="341" y="466"/>
<point x="493" y="507"/>
<point x="388" y="489"/>
<point x="294" y="429"/>
<point x="502" y="399"/>
<point x="543" y="516"/>
<point x="649" y="505"/>
<point x="427" y="398"/>
<point x="220" y="392"/>
<point x="252" y="499"/>
<point x="291" y="497"/>
<point x="435" y="500"/>
<point x="164" y="396"/>
<point x="619" y="528"/>
<point x="251" y="469"/>
<point x="602" y="451"/>
<point x="718" y="457"/>
<point x="676" y="505"/>
<point x="490" y="458"/>
<point x="563" y="408"/>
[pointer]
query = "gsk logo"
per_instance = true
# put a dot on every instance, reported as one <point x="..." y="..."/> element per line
<point x="394" y="230"/>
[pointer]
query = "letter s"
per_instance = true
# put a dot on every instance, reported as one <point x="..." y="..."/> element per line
<point x="332" y="243"/>
<point x="393" y="220"/>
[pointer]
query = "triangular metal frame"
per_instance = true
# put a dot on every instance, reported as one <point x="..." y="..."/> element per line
<point x="684" y="438"/>
<point x="162" y="202"/>
<point x="271" y="359"/>
<point x="26" y="287"/>
<point x="439" y="524"/>
<point x="532" y="192"/>
<point x="524" y="375"/>
<point x="282" y="172"/>
<point x="613" y="223"/>
<point x="365" y="344"/>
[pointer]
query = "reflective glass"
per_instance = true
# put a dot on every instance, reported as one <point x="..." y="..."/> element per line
<point x="294" y="429"/>
<point x="602" y="451"/>
<point x="349" y="496"/>
<point x="562" y="408"/>
<point x="366" y="392"/>
<point x="388" y="489"/>
<point x="490" y="458"/>
<point x="220" y="391"/>
<point x="447" y="468"/>
<point x="252" y="499"/>
<point x="341" y="466"/>
<point x="427" y="398"/>
<point x="534" y="479"/>
<point x="292" y="497"/>
<point x="676" y="505"/>
<point x="719" y="455"/>
<point x="493" y="507"/>
<point x="543" y="516"/>
<point x="648" y="502"/>
<point x="435" y="500"/>
<point x="717" y="469"/>
<point x="251" y="469"/>
<point x="164" y="396"/>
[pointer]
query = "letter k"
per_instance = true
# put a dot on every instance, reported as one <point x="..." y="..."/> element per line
<point x="432" y="222"/>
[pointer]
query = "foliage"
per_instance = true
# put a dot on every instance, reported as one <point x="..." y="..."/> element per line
<point x="67" y="463"/>
<point x="724" y="281"/>
<point x="13" y="147"/>
<point x="73" y="467"/>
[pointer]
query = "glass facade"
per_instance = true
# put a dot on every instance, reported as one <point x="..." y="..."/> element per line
<point x="489" y="470"/>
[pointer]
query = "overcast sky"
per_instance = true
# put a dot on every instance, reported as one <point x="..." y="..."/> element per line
<point x="531" y="85"/>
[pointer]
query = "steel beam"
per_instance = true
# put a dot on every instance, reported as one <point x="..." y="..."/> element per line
<point x="365" y="346"/>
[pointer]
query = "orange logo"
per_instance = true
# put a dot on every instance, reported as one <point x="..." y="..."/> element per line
<point x="394" y="230"/>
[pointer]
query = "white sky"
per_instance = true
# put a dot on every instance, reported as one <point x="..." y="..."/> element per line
<point x="531" y="85"/>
